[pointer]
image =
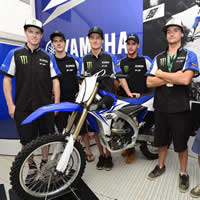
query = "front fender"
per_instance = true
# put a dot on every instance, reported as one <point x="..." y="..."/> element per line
<point x="65" y="106"/>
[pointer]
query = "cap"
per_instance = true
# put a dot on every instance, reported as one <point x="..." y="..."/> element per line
<point x="173" y="22"/>
<point x="32" y="22"/>
<point x="96" y="30"/>
<point x="57" y="33"/>
<point x="133" y="37"/>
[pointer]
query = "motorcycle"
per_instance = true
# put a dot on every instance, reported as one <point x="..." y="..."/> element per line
<point x="121" y="123"/>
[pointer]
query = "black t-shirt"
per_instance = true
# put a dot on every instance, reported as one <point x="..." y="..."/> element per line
<point x="68" y="80"/>
<point x="92" y="64"/>
<point x="136" y="69"/>
<point x="173" y="98"/>
<point x="34" y="71"/>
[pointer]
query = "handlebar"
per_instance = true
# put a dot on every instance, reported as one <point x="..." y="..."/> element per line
<point x="112" y="76"/>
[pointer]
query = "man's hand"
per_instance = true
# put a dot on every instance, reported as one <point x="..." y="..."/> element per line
<point x="134" y="95"/>
<point x="158" y="73"/>
<point x="11" y="110"/>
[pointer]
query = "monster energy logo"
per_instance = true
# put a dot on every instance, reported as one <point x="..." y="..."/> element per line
<point x="163" y="61"/>
<point x="126" y="68"/>
<point x="89" y="65"/>
<point x="34" y="22"/>
<point x="24" y="59"/>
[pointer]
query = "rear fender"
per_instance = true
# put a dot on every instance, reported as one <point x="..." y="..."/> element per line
<point x="65" y="106"/>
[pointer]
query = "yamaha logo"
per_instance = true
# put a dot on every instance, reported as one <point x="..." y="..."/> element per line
<point x="49" y="48"/>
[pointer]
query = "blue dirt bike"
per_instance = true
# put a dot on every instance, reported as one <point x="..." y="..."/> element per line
<point x="121" y="123"/>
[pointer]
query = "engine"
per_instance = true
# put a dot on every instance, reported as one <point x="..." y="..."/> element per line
<point x="121" y="133"/>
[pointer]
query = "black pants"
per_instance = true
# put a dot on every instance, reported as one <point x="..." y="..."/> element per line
<point x="41" y="126"/>
<point x="61" y="119"/>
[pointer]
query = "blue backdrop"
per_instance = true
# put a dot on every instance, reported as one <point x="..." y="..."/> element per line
<point x="74" y="18"/>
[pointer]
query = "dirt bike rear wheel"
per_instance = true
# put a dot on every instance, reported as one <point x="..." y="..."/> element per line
<point x="149" y="151"/>
<point x="47" y="182"/>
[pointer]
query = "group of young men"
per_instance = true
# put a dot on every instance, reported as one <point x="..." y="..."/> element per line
<point x="39" y="76"/>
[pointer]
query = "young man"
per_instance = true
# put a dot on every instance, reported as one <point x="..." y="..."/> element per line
<point x="135" y="67"/>
<point x="93" y="62"/>
<point x="68" y="84"/>
<point x="171" y="73"/>
<point x="36" y="76"/>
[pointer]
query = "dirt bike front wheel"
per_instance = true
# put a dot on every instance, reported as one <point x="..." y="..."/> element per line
<point x="41" y="180"/>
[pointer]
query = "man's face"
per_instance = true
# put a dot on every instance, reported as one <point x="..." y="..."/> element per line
<point x="174" y="34"/>
<point x="59" y="44"/>
<point x="33" y="35"/>
<point x="132" y="47"/>
<point x="95" y="41"/>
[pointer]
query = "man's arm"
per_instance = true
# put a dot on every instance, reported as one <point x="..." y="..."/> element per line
<point x="7" y="88"/>
<point x="178" y="78"/>
<point x="56" y="90"/>
<point x="153" y="81"/>
<point x="126" y="88"/>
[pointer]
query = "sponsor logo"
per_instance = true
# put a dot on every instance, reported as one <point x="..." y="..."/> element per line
<point x="3" y="65"/>
<point x="34" y="22"/>
<point x="154" y="12"/>
<point x="62" y="6"/>
<point x="163" y="61"/>
<point x="69" y="66"/>
<point x="50" y="48"/>
<point x="180" y="57"/>
<point x="139" y="66"/>
<point x="126" y="68"/>
<point x="43" y="60"/>
<point x="24" y="60"/>
<point x="109" y="116"/>
<point x="89" y="65"/>
<point x="105" y="62"/>
<point x="194" y="64"/>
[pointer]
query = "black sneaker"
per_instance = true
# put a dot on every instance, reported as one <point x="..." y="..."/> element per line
<point x="195" y="192"/>
<point x="100" y="163"/>
<point x="183" y="182"/>
<point x="32" y="173"/>
<point x="108" y="164"/>
<point x="157" y="171"/>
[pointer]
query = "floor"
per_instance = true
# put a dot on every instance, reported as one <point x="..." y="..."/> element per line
<point x="128" y="181"/>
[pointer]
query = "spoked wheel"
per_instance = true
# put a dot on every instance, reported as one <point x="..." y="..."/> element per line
<point x="42" y="180"/>
<point x="149" y="151"/>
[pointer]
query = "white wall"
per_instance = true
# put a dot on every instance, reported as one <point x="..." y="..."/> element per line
<point x="12" y="17"/>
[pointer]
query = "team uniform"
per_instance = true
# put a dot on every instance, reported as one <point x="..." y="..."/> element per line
<point x="135" y="69"/>
<point x="34" y="72"/>
<point x="171" y="102"/>
<point x="91" y="64"/>
<point x="69" y="88"/>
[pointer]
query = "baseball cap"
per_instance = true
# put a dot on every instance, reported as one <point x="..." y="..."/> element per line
<point x="57" y="33"/>
<point x="174" y="22"/>
<point x="96" y="30"/>
<point x="133" y="37"/>
<point x="32" y="22"/>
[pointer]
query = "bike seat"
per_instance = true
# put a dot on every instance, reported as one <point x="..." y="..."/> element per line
<point x="138" y="101"/>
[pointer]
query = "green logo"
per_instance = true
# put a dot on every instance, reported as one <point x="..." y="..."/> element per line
<point x="163" y="61"/>
<point x="89" y="65"/>
<point x="126" y="68"/>
<point x="24" y="60"/>
<point x="95" y="28"/>
<point x="34" y="22"/>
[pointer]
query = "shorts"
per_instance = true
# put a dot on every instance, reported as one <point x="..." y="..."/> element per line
<point x="176" y="127"/>
<point x="44" y="125"/>
<point x="61" y="121"/>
